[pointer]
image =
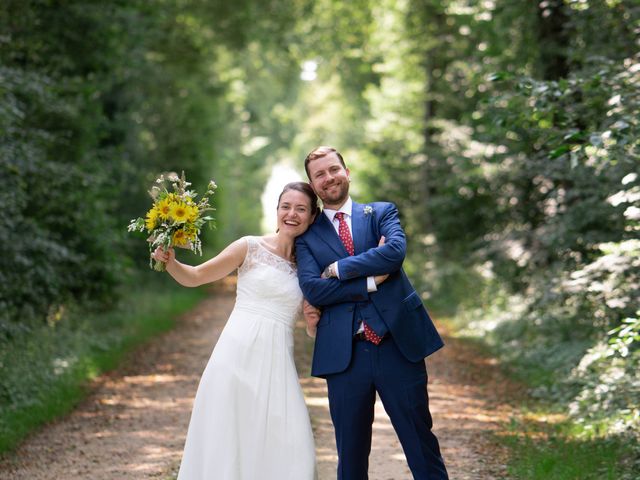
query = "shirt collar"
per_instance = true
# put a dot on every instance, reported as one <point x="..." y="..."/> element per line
<point x="346" y="209"/>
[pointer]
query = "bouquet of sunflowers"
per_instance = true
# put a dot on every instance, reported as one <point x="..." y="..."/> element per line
<point x="175" y="219"/>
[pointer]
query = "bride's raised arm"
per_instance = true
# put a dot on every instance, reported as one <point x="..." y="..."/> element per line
<point x="218" y="267"/>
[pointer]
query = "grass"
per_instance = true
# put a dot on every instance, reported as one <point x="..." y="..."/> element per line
<point x="44" y="373"/>
<point x="540" y="450"/>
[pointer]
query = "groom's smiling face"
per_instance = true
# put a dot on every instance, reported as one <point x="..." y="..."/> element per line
<point x="330" y="180"/>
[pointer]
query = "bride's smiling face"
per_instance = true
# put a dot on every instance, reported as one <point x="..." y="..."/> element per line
<point x="294" y="213"/>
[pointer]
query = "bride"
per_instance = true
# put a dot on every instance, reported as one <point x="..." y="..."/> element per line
<point x="249" y="419"/>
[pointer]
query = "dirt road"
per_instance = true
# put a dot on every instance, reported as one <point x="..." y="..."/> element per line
<point x="133" y="424"/>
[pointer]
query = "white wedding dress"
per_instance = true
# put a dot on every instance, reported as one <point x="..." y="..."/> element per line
<point x="249" y="419"/>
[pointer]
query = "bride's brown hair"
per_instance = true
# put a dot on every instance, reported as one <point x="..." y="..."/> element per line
<point x="303" y="187"/>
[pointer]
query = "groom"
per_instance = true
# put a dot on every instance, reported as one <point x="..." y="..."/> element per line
<point x="374" y="332"/>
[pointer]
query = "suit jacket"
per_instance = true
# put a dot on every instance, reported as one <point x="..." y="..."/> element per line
<point x="396" y="302"/>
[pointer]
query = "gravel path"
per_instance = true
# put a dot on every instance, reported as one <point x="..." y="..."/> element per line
<point x="133" y="424"/>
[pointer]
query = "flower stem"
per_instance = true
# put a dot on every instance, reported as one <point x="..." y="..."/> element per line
<point x="159" y="266"/>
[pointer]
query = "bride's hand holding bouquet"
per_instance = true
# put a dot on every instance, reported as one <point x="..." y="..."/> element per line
<point x="164" y="256"/>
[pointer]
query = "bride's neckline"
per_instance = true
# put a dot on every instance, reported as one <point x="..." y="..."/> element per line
<point x="262" y="244"/>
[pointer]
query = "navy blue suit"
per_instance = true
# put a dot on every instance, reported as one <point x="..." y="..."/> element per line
<point x="354" y="369"/>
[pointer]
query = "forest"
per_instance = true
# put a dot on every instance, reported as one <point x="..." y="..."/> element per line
<point x="506" y="132"/>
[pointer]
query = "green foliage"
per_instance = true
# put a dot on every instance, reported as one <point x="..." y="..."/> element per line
<point x="609" y="382"/>
<point x="57" y="245"/>
<point x="566" y="238"/>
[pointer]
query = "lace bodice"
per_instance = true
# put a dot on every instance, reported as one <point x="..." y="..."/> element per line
<point x="268" y="283"/>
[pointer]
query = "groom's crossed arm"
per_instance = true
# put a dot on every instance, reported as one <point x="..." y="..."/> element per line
<point x="322" y="292"/>
<point x="380" y="260"/>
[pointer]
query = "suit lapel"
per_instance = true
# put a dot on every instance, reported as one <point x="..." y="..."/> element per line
<point x="325" y="231"/>
<point x="358" y="228"/>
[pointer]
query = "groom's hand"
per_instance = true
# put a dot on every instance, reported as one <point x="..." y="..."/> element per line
<point x="380" y="278"/>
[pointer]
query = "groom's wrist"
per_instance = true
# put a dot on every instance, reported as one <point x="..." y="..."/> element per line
<point x="329" y="271"/>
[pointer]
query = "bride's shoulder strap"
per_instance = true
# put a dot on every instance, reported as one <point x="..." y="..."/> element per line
<point x="252" y="243"/>
<point x="252" y="246"/>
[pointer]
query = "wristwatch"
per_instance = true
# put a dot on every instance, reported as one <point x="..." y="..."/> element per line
<point x="330" y="271"/>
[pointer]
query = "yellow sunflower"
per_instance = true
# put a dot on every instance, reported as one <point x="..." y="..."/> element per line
<point x="180" y="238"/>
<point x="152" y="219"/>
<point x="164" y="208"/>
<point x="192" y="216"/>
<point x="179" y="212"/>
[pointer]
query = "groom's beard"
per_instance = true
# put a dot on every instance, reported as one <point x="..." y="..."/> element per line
<point x="337" y="197"/>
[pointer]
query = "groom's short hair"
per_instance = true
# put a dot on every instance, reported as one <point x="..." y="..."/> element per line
<point x="320" y="152"/>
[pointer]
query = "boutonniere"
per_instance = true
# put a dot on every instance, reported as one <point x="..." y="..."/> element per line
<point x="368" y="209"/>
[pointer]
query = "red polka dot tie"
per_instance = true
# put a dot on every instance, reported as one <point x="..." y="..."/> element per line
<point x="344" y="233"/>
<point x="347" y="241"/>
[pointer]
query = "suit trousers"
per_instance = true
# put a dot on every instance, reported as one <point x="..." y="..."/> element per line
<point x="402" y="386"/>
